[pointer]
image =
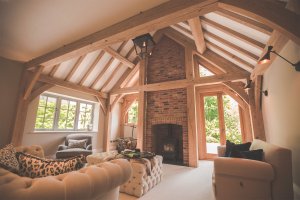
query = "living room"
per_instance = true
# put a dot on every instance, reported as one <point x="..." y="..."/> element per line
<point x="93" y="62"/>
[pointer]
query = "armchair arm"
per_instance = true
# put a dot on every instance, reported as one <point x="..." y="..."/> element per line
<point x="62" y="147"/>
<point x="89" y="147"/>
<point x="246" y="168"/>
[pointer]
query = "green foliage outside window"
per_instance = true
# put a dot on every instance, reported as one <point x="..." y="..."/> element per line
<point x="231" y="117"/>
<point x="133" y="113"/>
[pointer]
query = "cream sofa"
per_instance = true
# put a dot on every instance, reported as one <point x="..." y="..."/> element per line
<point x="145" y="174"/>
<point x="97" y="182"/>
<point x="237" y="178"/>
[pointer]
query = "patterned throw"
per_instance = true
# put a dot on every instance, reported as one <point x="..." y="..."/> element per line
<point x="8" y="158"/>
<point x="33" y="167"/>
<point x="76" y="144"/>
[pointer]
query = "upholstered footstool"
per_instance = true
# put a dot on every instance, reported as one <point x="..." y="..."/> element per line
<point x="96" y="158"/>
<point x="145" y="175"/>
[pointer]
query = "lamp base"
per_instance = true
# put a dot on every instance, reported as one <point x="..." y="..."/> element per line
<point x="297" y="66"/>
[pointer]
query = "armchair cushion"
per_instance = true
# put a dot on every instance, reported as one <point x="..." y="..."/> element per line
<point x="33" y="167"/>
<point x="62" y="147"/>
<point x="77" y="144"/>
<point x="253" y="155"/>
<point x="230" y="146"/>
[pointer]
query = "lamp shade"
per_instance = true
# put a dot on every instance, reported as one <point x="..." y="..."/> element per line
<point x="143" y="45"/>
<point x="266" y="57"/>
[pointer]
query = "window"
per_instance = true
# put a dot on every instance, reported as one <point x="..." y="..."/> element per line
<point x="204" y="71"/>
<point x="56" y="113"/>
<point x="132" y="116"/>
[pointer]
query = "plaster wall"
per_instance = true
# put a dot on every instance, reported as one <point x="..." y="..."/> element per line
<point x="281" y="108"/>
<point x="10" y="75"/>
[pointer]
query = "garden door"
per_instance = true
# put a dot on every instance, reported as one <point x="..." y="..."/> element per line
<point x="219" y="120"/>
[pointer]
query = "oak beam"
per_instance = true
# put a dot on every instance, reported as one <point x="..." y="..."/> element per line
<point x="196" y="28"/>
<point x="39" y="90"/>
<point x="219" y="78"/>
<point x="30" y="85"/>
<point x="74" y="68"/>
<point x="233" y="33"/>
<point x="91" y="68"/>
<point x="107" y="65"/>
<point x="54" y="69"/>
<point x="245" y="21"/>
<point x="232" y="46"/>
<point x="240" y="91"/>
<point x="153" y="19"/>
<point x="72" y="86"/>
<point x="119" y="57"/>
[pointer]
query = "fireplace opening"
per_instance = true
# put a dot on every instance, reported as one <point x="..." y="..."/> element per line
<point x="167" y="141"/>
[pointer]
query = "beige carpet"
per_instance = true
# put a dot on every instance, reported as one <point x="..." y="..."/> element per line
<point x="181" y="183"/>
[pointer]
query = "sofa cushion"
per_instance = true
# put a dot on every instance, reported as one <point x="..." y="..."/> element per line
<point x="32" y="166"/>
<point x="77" y="144"/>
<point x="230" y="146"/>
<point x="253" y="155"/>
<point x="8" y="158"/>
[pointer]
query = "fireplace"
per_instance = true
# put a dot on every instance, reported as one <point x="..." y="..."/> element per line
<point x="167" y="141"/>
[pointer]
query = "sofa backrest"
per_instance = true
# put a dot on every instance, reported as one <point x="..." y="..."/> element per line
<point x="35" y="150"/>
<point x="79" y="137"/>
<point x="281" y="160"/>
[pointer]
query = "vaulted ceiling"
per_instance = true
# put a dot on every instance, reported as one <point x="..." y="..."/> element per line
<point x="235" y="37"/>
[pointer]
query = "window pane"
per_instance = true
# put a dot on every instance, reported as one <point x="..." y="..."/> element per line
<point x="67" y="113"/>
<point x="211" y="124"/>
<point x="85" y="116"/>
<point x="45" y="113"/>
<point x="132" y="113"/>
<point x="232" y="120"/>
<point x="204" y="71"/>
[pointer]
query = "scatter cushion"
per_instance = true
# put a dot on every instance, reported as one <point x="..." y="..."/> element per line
<point x="253" y="155"/>
<point x="230" y="146"/>
<point x="76" y="144"/>
<point x="8" y="158"/>
<point x="34" y="167"/>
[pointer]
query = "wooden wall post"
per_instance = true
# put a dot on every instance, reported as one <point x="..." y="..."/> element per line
<point x="142" y="105"/>
<point x="191" y="110"/>
<point x="107" y="126"/>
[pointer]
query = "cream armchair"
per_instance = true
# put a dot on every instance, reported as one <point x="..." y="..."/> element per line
<point x="237" y="178"/>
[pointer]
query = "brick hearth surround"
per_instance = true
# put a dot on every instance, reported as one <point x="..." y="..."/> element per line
<point x="168" y="106"/>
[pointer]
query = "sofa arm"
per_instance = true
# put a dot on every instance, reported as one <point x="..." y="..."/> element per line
<point x="238" y="167"/>
<point x="89" y="147"/>
<point x="62" y="147"/>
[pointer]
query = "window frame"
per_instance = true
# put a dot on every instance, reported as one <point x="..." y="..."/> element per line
<point x="57" y="111"/>
<point x="127" y="117"/>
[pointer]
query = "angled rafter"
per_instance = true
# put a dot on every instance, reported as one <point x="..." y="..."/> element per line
<point x="72" y="86"/>
<point x="116" y="69"/>
<point x="39" y="90"/>
<point x="233" y="33"/>
<point x="221" y="62"/>
<point x="118" y="56"/>
<point x="107" y="66"/>
<point x="32" y="82"/>
<point x="208" y="65"/>
<point x="53" y="70"/>
<point x="211" y="46"/>
<point x="182" y="30"/>
<point x="91" y="68"/>
<point x="245" y="20"/>
<point x="196" y="28"/>
<point x="74" y="68"/>
<point x="232" y="46"/>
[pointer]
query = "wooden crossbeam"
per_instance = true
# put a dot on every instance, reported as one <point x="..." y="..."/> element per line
<point x="196" y="28"/>
<point x="233" y="33"/>
<point x="72" y="86"/>
<point x="54" y="69"/>
<point x="220" y="78"/>
<point x="153" y="19"/>
<point x="239" y="90"/>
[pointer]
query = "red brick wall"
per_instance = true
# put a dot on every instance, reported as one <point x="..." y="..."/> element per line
<point x="167" y="106"/>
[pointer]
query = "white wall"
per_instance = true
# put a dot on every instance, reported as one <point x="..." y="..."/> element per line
<point x="10" y="75"/>
<point x="50" y="141"/>
<point x="281" y="108"/>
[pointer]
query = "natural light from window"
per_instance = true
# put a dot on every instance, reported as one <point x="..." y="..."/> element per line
<point x="57" y="113"/>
